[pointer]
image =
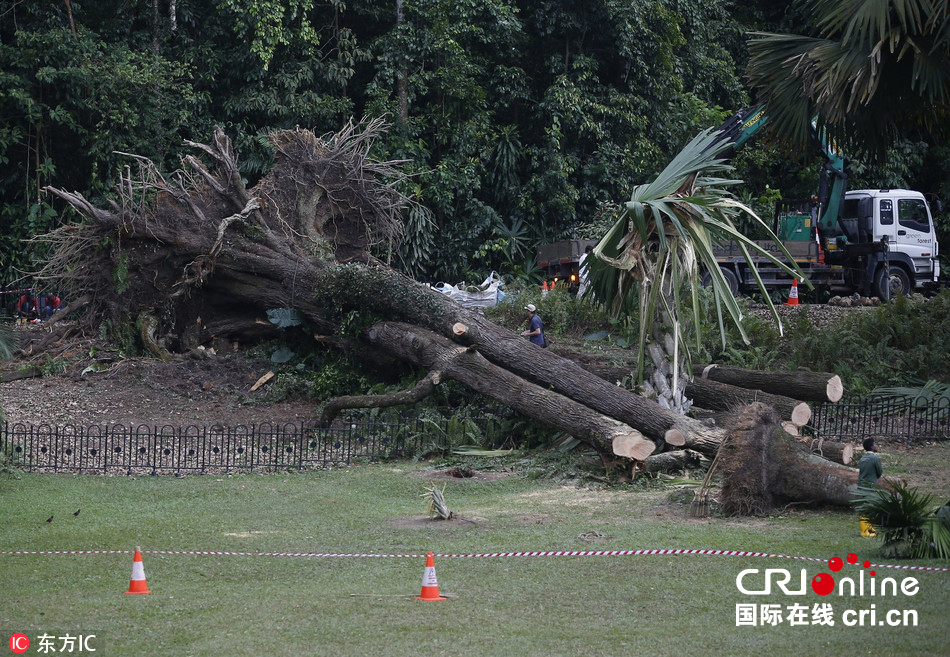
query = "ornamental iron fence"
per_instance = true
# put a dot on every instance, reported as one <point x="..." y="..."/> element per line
<point x="154" y="449"/>
<point x="883" y="417"/>
<point x="268" y="447"/>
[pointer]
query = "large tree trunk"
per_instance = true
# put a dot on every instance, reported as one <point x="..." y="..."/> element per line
<point x="723" y="397"/>
<point x="763" y="467"/>
<point x="209" y="258"/>
<point x="806" y="386"/>
<point x="466" y="365"/>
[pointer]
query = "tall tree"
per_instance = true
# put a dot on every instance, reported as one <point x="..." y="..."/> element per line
<point x="870" y="70"/>
<point x="70" y="99"/>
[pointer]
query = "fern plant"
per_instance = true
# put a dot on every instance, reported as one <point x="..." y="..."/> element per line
<point x="930" y="395"/>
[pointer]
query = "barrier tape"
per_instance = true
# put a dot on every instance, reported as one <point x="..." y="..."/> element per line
<point x="485" y="555"/>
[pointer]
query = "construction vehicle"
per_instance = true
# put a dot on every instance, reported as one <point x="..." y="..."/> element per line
<point x="559" y="261"/>
<point x="877" y="242"/>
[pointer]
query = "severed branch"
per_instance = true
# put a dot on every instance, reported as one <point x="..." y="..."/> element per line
<point x="422" y="389"/>
<point x="427" y="349"/>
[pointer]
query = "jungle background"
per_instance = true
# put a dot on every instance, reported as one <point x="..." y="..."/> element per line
<point x="520" y="123"/>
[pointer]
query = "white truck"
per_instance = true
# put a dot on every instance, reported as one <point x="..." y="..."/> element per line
<point x="883" y="242"/>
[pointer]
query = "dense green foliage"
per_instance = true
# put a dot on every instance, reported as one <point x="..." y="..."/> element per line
<point x="911" y="523"/>
<point x="895" y="344"/>
<point x="522" y="119"/>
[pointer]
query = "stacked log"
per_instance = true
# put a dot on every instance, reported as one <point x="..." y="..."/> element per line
<point x="833" y="451"/>
<point x="724" y="397"/>
<point x="805" y="386"/>
<point x="719" y="392"/>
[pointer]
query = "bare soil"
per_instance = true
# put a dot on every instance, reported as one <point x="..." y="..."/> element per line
<point x="134" y="391"/>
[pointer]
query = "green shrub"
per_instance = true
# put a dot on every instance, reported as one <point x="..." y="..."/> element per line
<point x="908" y="522"/>
<point x="563" y="314"/>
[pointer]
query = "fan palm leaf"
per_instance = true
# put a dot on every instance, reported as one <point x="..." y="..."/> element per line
<point x="875" y="68"/>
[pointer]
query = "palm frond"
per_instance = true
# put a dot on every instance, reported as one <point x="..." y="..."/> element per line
<point x="665" y="235"/>
<point x="879" y="67"/>
<point x="907" y="521"/>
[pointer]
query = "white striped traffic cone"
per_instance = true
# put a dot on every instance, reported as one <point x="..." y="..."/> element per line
<point x="430" y="586"/>
<point x="137" y="584"/>
<point x="793" y="294"/>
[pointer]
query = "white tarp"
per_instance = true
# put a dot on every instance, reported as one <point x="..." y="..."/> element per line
<point x="486" y="295"/>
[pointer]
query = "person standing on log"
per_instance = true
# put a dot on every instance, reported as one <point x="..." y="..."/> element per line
<point x="869" y="471"/>
<point x="535" y="332"/>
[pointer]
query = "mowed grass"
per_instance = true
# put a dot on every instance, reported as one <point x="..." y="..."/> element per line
<point x="254" y="605"/>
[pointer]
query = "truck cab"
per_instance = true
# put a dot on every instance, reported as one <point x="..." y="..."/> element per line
<point x="901" y="219"/>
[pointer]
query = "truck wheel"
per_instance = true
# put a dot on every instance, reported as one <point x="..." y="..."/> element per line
<point x="897" y="281"/>
<point x="706" y="280"/>
<point x="731" y="280"/>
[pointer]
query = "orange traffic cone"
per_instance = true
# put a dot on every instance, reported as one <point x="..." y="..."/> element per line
<point x="430" y="586"/>
<point x="137" y="584"/>
<point x="793" y="294"/>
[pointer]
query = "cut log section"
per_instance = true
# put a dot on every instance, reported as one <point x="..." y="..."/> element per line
<point x="678" y="459"/>
<point x="806" y="386"/>
<point x="724" y="397"/>
<point x="633" y="446"/>
<point x="838" y="452"/>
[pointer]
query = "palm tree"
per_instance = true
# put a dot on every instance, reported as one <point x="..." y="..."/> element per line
<point x="872" y="70"/>
<point x="656" y="251"/>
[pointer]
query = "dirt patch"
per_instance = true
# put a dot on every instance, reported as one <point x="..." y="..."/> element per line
<point x="461" y="474"/>
<point x="139" y="391"/>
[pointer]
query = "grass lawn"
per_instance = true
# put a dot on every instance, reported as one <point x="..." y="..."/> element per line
<point x="265" y="605"/>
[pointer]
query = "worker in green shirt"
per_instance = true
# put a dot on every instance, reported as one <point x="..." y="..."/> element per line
<point x="869" y="471"/>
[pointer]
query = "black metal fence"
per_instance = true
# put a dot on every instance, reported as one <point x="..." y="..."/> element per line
<point x="152" y="449"/>
<point x="884" y="417"/>
<point x="193" y="449"/>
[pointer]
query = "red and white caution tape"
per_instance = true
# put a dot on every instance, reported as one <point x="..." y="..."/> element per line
<point x="484" y="555"/>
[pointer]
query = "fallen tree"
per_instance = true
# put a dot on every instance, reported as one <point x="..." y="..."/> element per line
<point x="762" y="467"/>
<point x="802" y="385"/>
<point x="199" y="257"/>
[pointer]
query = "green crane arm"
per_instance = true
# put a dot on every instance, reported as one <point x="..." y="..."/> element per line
<point x="833" y="182"/>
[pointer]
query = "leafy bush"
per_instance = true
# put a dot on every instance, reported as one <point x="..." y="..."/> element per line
<point x="563" y="314"/>
<point x="895" y="344"/>
<point x="908" y="522"/>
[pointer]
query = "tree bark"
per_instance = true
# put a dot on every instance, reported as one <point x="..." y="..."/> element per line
<point x="678" y="459"/>
<point x="724" y="397"/>
<point x="806" y="386"/>
<point x="209" y="258"/>
<point x="423" y="388"/>
<point x="838" y="452"/>
<point x="762" y="467"/>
